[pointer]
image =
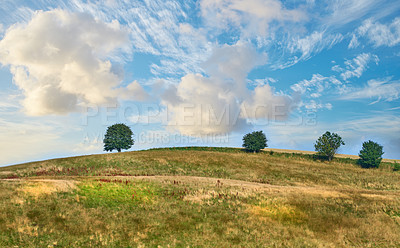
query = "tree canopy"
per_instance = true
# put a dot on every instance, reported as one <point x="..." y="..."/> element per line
<point x="370" y="154"/>
<point x="255" y="141"/>
<point x="328" y="144"/>
<point x="118" y="137"/>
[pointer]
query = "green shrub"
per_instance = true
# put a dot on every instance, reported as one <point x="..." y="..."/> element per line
<point x="327" y="145"/>
<point x="370" y="154"/>
<point x="396" y="166"/>
<point x="255" y="141"/>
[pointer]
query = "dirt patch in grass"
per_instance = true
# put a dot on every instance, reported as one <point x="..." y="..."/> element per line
<point x="38" y="187"/>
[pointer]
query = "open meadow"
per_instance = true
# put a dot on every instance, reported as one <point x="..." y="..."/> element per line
<point x="199" y="197"/>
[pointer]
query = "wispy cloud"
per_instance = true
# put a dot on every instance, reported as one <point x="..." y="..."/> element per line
<point x="380" y="89"/>
<point x="160" y="28"/>
<point x="315" y="86"/>
<point x="346" y="11"/>
<point x="380" y="34"/>
<point x="301" y="48"/>
<point x="251" y="17"/>
<point x="353" y="42"/>
<point x="356" y="67"/>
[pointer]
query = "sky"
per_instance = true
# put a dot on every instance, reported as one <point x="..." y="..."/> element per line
<point x="197" y="73"/>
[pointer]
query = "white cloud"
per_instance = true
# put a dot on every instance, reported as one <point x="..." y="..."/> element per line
<point x="353" y="42"/>
<point x="265" y="104"/>
<point x="312" y="90"/>
<point x="315" y="42"/>
<point x="252" y="17"/>
<point x="221" y="103"/>
<point x="133" y="91"/>
<point x="346" y="11"/>
<point x="315" y="86"/>
<point x="382" y="89"/>
<point x="381" y="34"/>
<point x="152" y="115"/>
<point x="160" y="28"/>
<point x="357" y="66"/>
<point x="59" y="61"/>
<point x="307" y="46"/>
<point x="233" y="62"/>
<point x="314" y="105"/>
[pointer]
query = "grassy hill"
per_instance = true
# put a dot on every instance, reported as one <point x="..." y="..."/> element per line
<point x="199" y="197"/>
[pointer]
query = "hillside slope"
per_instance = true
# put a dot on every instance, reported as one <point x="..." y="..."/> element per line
<point x="202" y="197"/>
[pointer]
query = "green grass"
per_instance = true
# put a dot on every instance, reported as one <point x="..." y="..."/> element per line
<point x="188" y="197"/>
<point x="115" y="193"/>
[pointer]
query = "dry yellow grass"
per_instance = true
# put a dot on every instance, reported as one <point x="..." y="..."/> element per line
<point x="38" y="187"/>
<point x="199" y="199"/>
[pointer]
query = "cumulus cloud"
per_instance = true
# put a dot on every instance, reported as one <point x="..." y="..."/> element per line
<point x="134" y="91"/>
<point x="60" y="60"/>
<point x="221" y="102"/>
<point x="383" y="89"/>
<point x="263" y="103"/>
<point x="252" y="17"/>
<point x="202" y="106"/>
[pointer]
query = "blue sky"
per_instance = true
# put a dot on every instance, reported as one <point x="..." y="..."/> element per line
<point x="188" y="73"/>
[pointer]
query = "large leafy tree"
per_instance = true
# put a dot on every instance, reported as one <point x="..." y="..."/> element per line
<point x="255" y="141"/>
<point x="118" y="137"/>
<point x="328" y="144"/>
<point x="370" y="154"/>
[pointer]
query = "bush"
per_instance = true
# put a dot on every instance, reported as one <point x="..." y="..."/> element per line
<point x="370" y="154"/>
<point x="255" y="141"/>
<point x="328" y="144"/>
<point x="396" y="166"/>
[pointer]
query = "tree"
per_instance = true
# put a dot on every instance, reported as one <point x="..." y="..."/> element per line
<point x="370" y="154"/>
<point x="255" y="141"/>
<point x="328" y="144"/>
<point x="118" y="137"/>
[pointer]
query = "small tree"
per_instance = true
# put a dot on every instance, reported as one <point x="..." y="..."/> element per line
<point x="370" y="154"/>
<point x="328" y="144"/>
<point x="255" y="141"/>
<point x="118" y="137"/>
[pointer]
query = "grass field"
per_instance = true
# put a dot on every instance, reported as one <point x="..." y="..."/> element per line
<point x="199" y="197"/>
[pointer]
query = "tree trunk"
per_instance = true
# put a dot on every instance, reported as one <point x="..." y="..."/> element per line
<point x="119" y="150"/>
